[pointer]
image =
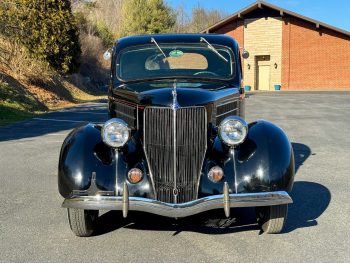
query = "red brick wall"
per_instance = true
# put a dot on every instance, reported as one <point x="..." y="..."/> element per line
<point x="234" y="29"/>
<point x="314" y="58"/>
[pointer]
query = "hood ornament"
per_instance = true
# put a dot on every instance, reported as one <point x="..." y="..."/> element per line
<point x="175" y="104"/>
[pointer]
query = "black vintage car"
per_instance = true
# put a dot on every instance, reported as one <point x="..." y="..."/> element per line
<point x="176" y="143"/>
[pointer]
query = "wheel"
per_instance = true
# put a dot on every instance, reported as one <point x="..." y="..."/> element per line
<point x="271" y="219"/>
<point x="82" y="221"/>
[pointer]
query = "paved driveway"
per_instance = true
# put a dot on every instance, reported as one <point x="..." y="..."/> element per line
<point x="33" y="227"/>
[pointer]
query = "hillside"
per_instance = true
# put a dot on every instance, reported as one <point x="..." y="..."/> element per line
<point x="29" y="87"/>
<point x="43" y="66"/>
<point x="20" y="99"/>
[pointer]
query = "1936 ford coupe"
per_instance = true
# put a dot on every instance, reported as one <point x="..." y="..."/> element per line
<point x="176" y="143"/>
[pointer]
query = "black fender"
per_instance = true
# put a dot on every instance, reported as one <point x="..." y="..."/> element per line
<point x="263" y="162"/>
<point x="83" y="153"/>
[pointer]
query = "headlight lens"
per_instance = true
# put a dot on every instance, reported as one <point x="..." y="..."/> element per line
<point x="233" y="130"/>
<point x="115" y="133"/>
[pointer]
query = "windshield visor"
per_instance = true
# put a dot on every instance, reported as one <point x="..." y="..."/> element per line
<point x="171" y="61"/>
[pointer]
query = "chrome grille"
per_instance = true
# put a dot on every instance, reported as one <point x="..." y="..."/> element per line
<point x="188" y="147"/>
<point x="127" y="113"/>
<point x="225" y="110"/>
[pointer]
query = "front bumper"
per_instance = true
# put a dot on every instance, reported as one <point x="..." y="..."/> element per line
<point x="226" y="201"/>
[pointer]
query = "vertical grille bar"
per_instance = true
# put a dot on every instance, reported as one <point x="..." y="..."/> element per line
<point x="184" y="170"/>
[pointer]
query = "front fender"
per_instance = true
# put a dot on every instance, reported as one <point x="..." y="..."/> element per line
<point x="83" y="154"/>
<point x="79" y="159"/>
<point x="263" y="162"/>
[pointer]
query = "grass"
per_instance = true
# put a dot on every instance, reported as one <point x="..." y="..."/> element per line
<point x="17" y="104"/>
<point x="10" y="114"/>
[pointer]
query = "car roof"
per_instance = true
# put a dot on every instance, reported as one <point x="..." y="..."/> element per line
<point x="177" y="38"/>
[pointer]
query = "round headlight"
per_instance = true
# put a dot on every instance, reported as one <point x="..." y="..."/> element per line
<point x="115" y="133"/>
<point x="233" y="130"/>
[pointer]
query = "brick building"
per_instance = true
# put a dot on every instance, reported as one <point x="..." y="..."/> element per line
<point x="288" y="49"/>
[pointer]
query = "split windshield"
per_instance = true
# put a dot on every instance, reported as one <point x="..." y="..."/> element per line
<point x="153" y="61"/>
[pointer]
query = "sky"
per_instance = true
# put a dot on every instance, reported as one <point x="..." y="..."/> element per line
<point x="333" y="12"/>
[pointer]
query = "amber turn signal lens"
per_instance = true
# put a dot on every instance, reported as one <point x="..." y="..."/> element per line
<point x="135" y="175"/>
<point x="216" y="174"/>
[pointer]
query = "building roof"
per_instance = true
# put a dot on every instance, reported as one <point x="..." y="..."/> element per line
<point x="261" y="5"/>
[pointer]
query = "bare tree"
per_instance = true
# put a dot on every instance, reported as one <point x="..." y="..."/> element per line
<point x="100" y="12"/>
<point x="183" y="20"/>
<point x="199" y="19"/>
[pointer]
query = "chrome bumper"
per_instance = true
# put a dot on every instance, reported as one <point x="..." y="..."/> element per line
<point x="226" y="201"/>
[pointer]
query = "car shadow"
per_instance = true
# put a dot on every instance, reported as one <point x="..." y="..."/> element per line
<point x="301" y="154"/>
<point x="211" y="222"/>
<point x="310" y="200"/>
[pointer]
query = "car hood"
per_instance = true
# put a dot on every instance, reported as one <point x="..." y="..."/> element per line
<point x="188" y="94"/>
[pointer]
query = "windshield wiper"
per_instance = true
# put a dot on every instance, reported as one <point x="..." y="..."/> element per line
<point x="213" y="49"/>
<point x="155" y="42"/>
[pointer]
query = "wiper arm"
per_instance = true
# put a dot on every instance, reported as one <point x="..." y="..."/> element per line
<point x="155" y="42"/>
<point x="213" y="49"/>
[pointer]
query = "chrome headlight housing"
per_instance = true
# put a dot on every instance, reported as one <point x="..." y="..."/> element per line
<point x="115" y="133"/>
<point x="233" y="130"/>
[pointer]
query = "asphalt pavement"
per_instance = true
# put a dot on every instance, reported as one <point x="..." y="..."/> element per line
<point x="34" y="228"/>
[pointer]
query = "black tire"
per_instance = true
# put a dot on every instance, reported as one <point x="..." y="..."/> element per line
<point x="271" y="219"/>
<point x="82" y="222"/>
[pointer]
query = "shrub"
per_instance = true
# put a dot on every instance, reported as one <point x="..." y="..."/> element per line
<point x="147" y="17"/>
<point x="46" y="28"/>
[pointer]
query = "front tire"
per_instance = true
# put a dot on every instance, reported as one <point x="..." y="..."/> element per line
<point x="82" y="222"/>
<point x="271" y="219"/>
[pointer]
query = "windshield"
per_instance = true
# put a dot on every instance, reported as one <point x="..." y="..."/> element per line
<point x="175" y="60"/>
